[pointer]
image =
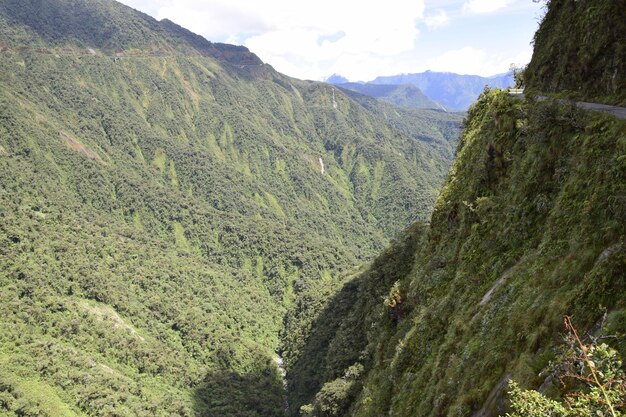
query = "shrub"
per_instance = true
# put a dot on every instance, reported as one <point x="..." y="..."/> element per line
<point x="591" y="374"/>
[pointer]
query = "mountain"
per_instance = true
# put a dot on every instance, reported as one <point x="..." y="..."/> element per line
<point x="454" y="91"/>
<point x="403" y="95"/>
<point x="180" y="223"/>
<point x="165" y="201"/>
<point x="528" y="234"/>
<point x="336" y="79"/>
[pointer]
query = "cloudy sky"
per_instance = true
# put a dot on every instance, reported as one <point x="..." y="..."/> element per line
<point x="362" y="39"/>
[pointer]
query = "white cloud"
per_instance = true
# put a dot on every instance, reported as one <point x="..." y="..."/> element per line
<point x="470" y="60"/>
<point x="485" y="6"/>
<point x="357" y="39"/>
<point x="437" y="20"/>
<point x="339" y="37"/>
<point x="328" y="35"/>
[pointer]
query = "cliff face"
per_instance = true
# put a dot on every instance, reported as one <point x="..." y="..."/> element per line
<point x="580" y="50"/>
<point x="529" y="227"/>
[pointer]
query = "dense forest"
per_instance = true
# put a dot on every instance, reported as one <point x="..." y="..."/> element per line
<point x="529" y="227"/>
<point x="165" y="201"/>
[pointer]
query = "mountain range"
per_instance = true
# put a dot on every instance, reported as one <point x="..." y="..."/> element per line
<point x="431" y="89"/>
<point x="403" y="95"/>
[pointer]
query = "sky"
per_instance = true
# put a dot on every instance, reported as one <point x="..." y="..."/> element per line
<point x="363" y="39"/>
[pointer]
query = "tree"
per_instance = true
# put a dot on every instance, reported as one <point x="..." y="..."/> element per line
<point x="517" y="72"/>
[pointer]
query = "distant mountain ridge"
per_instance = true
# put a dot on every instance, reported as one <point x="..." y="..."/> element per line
<point x="405" y="95"/>
<point x="456" y="92"/>
<point x="337" y="79"/>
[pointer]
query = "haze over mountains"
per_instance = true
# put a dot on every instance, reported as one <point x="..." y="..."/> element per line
<point x="453" y="91"/>
<point x="404" y="95"/>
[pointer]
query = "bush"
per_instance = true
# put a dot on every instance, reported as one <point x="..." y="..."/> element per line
<point x="594" y="379"/>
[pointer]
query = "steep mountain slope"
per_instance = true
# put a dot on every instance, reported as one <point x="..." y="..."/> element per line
<point x="404" y="95"/>
<point x="580" y="51"/>
<point x="530" y="226"/>
<point x="454" y="91"/>
<point x="100" y="24"/>
<point x="418" y="124"/>
<point x="165" y="200"/>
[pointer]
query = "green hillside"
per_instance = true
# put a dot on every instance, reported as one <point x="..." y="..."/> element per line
<point x="178" y="219"/>
<point x="528" y="228"/>
<point x="165" y="201"/>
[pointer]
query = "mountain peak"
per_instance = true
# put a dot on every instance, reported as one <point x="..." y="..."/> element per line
<point x="336" y="79"/>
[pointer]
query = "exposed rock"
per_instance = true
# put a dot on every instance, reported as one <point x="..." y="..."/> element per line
<point x="495" y="405"/>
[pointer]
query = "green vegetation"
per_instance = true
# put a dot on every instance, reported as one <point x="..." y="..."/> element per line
<point x="580" y="51"/>
<point x="105" y="27"/>
<point x="162" y="206"/>
<point x="174" y="212"/>
<point x="325" y="357"/>
<point x="594" y="379"/>
<point x="529" y="227"/>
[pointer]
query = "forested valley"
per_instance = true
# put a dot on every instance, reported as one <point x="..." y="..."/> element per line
<point x="184" y="231"/>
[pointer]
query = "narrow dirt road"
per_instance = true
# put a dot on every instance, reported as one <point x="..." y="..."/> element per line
<point x="619" y="112"/>
<point x="616" y="111"/>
